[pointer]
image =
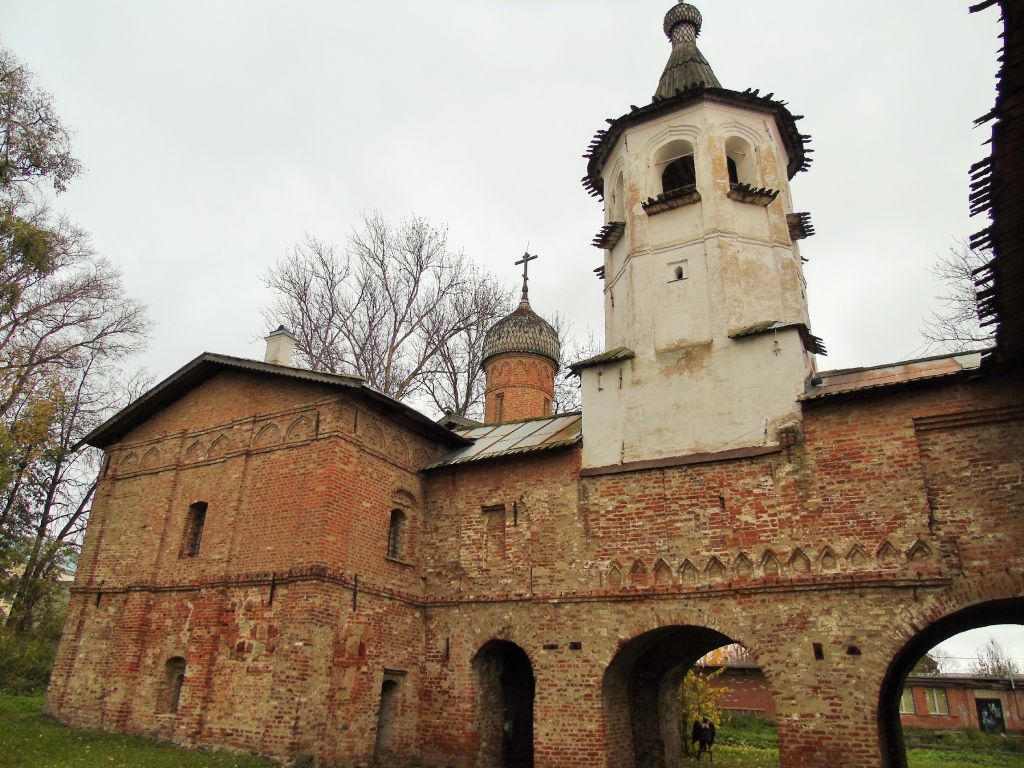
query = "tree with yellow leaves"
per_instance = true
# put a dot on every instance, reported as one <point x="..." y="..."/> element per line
<point x="700" y="697"/>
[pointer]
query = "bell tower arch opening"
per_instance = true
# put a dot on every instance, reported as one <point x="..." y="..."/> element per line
<point x="893" y="747"/>
<point x="675" y="165"/>
<point x="505" y="692"/>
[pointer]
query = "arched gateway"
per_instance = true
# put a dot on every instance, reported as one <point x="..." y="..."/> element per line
<point x="1005" y="611"/>
<point x="640" y="694"/>
<point x="505" y="691"/>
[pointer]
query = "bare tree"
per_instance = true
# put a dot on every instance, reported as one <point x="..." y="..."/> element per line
<point x="955" y="327"/>
<point x="397" y="308"/>
<point x="568" y="397"/>
<point x="994" y="661"/>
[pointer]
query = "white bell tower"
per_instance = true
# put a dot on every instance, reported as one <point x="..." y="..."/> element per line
<point x="707" y="334"/>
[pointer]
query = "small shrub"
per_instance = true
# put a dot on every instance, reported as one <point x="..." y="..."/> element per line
<point x="25" y="662"/>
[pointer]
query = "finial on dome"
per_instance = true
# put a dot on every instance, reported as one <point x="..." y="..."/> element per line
<point x="525" y="261"/>
<point x="686" y="68"/>
<point x="682" y="23"/>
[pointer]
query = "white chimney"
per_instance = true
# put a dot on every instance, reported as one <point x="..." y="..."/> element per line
<point x="280" y="345"/>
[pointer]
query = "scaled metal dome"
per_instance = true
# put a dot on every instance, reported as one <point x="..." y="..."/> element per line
<point x="522" y="331"/>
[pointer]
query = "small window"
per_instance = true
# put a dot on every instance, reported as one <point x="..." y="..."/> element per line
<point x="547" y="407"/>
<point x="499" y="400"/>
<point x="396" y="534"/>
<point x="678" y="271"/>
<point x="174" y="680"/>
<point x="907" y="702"/>
<point x="194" y="529"/>
<point x="937" y="702"/>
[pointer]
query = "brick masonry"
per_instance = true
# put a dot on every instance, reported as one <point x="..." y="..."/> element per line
<point x="519" y="386"/>
<point x="886" y="513"/>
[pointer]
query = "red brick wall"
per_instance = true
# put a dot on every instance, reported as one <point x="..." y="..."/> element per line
<point x="746" y="692"/>
<point x="894" y="510"/>
<point x="963" y="709"/>
<point x="519" y="386"/>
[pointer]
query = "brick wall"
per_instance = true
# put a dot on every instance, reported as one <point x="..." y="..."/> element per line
<point x="825" y="558"/>
<point x="519" y="386"/>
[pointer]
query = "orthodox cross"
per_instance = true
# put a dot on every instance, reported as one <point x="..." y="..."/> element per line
<point x="525" y="261"/>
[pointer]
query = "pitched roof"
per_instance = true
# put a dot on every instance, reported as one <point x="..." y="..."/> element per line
<point x="615" y="355"/>
<point x="848" y="380"/>
<point x="515" y="438"/>
<point x="811" y="342"/>
<point x="208" y="364"/>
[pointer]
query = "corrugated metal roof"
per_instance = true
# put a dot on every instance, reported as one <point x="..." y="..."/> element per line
<point x="515" y="438"/>
<point x="829" y="383"/>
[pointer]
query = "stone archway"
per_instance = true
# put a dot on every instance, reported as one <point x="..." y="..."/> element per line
<point x="640" y="694"/>
<point x="1004" y="611"/>
<point x="506" y="687"/>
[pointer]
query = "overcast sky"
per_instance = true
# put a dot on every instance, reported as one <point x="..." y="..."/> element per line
<point x="216" y="134"/>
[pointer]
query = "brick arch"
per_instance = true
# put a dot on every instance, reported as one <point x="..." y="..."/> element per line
<point x="972" y="603"/>
<point x="640" y="705"/>
<point x="505" y="687"/>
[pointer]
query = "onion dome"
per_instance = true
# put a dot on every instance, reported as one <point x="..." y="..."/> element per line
<point x="523" y="331"/>
<point x="686" y="68"/>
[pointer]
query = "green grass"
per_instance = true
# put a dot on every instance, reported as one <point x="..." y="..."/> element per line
<point x="30" y="740"/>
<point x="932" y="758"/>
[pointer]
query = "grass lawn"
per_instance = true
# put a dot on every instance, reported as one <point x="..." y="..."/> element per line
<point x="29" y="740"/>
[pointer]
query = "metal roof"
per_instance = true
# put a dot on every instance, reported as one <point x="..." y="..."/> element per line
<point x="841" y="382"/>
<point x="611" y="356"/>
<point x="515" y="438"/>
<point x="208" y="364"/>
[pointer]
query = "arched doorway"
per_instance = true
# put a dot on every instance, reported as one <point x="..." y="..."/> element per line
<point x="506" y="689"/>
<point x="640" y="690"/>
<point x="1009" y="611"/>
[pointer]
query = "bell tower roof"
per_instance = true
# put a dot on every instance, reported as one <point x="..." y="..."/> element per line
<point x="688" y="80"/>
<point x="686" y="68"/>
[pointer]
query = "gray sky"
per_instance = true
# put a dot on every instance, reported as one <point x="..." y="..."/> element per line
<point x="216" y="134"/>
